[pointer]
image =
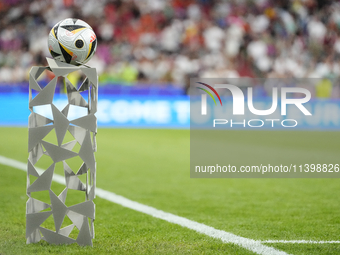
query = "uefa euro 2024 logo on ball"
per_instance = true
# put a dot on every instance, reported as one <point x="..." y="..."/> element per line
<point x="72" y="41"/>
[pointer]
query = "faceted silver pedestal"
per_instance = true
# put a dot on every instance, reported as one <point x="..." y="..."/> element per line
<point x="49" y="216"/>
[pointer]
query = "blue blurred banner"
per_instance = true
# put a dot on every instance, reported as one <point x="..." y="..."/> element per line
<point x="159" y="112"/>
<point x="113" y="111"/>
<point x="14" y="109"/>
<point x="325" y="115"/>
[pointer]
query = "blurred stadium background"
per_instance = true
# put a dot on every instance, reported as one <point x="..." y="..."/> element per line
<point x="147" y="51"/>
<point x="152" y="48"/>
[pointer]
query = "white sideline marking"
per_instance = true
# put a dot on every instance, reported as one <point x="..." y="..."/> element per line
<point x="226" y="237"/>
<point x="299" y="241"/>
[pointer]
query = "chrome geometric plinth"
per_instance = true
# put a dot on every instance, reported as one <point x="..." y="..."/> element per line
<point x="54" y="215"/>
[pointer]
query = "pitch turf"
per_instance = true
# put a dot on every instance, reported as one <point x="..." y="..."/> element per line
<point x="152" y="167"/>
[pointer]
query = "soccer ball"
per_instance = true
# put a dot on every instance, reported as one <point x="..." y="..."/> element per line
<point x="72" y="41"/>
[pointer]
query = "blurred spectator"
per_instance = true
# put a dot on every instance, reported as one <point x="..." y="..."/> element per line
<point x="155" y="41"/>
<point x="324" y="88"/>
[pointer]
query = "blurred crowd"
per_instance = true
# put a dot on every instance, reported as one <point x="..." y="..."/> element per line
<point x="167" y="41"/>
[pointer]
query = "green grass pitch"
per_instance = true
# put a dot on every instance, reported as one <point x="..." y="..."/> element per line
<point x="152" y="167"/>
